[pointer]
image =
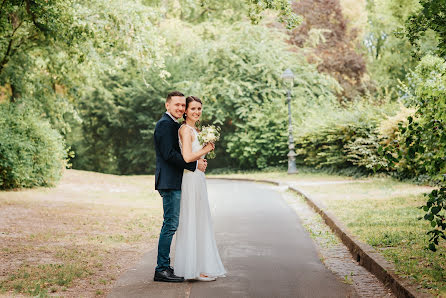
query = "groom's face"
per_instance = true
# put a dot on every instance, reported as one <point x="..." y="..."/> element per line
<point x="176" y="106"/>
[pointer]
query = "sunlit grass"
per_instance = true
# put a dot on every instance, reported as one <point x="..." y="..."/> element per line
<point x="392" y="227"/>
<point x="63" y="266"/>
<point x="39" y="279"/>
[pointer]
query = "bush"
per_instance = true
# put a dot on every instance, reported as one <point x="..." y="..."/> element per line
<point x="344" y="138"/>
<point x="418" y="148"/>
<point x="31" y="152"/>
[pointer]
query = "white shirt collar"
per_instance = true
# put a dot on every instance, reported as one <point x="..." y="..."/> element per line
<point x="172" y="117"/>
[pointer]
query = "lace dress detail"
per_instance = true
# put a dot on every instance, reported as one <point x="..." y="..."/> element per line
<point x="196" y="250"/>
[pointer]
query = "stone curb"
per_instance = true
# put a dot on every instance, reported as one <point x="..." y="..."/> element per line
<point x="363" y="253"/>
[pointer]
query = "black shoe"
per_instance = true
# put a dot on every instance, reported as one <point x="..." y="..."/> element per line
<point x="167" y="276"/>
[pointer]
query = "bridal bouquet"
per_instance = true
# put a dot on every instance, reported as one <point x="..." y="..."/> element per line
<point x="209" y="134"/>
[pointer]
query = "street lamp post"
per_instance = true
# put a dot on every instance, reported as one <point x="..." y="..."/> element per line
<point x="288" y="78"/>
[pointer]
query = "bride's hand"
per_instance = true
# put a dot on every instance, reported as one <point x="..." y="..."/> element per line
<point x="209" y="147"/>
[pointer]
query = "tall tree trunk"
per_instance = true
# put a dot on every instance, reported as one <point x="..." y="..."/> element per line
<point x="15" y="93"/>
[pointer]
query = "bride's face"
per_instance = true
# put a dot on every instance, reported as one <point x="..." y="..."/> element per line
<point x="193" y="111"/>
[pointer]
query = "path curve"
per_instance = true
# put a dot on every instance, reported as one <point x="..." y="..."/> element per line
<point x="263" y="246"/>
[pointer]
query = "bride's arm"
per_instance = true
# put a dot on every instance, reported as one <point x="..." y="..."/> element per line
<point x="186" y="139"/>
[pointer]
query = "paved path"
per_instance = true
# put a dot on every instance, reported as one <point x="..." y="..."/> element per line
<point x="263" y="246"/>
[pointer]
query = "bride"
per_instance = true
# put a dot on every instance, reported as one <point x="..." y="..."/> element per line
<point x="196" y="253"/>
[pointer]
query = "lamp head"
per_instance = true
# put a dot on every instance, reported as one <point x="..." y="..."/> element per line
<point x="288" y="77"/>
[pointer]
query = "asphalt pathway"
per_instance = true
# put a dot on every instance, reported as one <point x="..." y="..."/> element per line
<point x="265" y="250"/>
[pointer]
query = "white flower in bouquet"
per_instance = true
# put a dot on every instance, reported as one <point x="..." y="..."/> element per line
<point x="209" y="134"/>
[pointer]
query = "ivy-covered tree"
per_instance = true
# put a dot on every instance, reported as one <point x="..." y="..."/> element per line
<point x="36" y="54"/>
<point x="52" y="51"/>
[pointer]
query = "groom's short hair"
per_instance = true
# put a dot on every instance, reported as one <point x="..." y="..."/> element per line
<point x="172" y="94"/>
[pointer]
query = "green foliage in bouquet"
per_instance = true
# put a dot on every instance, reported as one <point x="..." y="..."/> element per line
<point x="209" y="134"/>
<point x="31" y="152"/>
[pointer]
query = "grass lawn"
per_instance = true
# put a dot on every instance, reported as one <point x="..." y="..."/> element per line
<point x="75" y="239"/>
<point x="383" y="213"/>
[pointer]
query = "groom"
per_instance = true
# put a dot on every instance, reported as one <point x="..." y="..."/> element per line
<point x="169" y="174"/>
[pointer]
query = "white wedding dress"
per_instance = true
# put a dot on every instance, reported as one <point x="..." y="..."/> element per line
<point x="196" y="250"/>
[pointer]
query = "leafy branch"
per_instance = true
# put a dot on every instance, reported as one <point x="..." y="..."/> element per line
<point x="286" y="13"/>
<point x="38" y="25"/>
<point x="1" y="6"/>
<point x="9" y="51"/>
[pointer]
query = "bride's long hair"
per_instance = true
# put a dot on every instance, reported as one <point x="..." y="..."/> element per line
<point x="190" y="99"/>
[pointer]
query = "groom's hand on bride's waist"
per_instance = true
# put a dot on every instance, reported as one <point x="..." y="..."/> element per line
<point x="202" y="164"/>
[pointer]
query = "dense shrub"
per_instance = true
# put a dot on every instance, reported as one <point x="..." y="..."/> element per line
<point x="393" y="132"/>
<point x="343" y="138"/>
<point x="31" y="152"/>
<point x="419" y="146"/>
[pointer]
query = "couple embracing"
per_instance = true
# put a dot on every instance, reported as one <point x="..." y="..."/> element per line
<point x="180" y="180"/>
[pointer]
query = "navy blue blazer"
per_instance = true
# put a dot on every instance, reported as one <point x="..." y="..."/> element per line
<point x="169" y="161"/>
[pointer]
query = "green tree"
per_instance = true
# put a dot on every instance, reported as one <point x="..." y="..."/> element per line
<point x="54" y="52"/>
<point x="119" y="116"/>
<point x="421" y="147"/>
<point x="430" y="18"/>
<point x="35" y="54"/>
<point x="424" y="136"/>
<point x="390" y="56"/>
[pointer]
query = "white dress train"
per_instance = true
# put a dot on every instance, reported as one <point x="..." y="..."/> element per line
<point x="196" y="250"/>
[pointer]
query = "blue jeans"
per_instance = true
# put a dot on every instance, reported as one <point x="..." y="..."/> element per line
<point x="171" y="207"/>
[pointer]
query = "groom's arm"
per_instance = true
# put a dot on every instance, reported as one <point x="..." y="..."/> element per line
<point x="165" y="141"/>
